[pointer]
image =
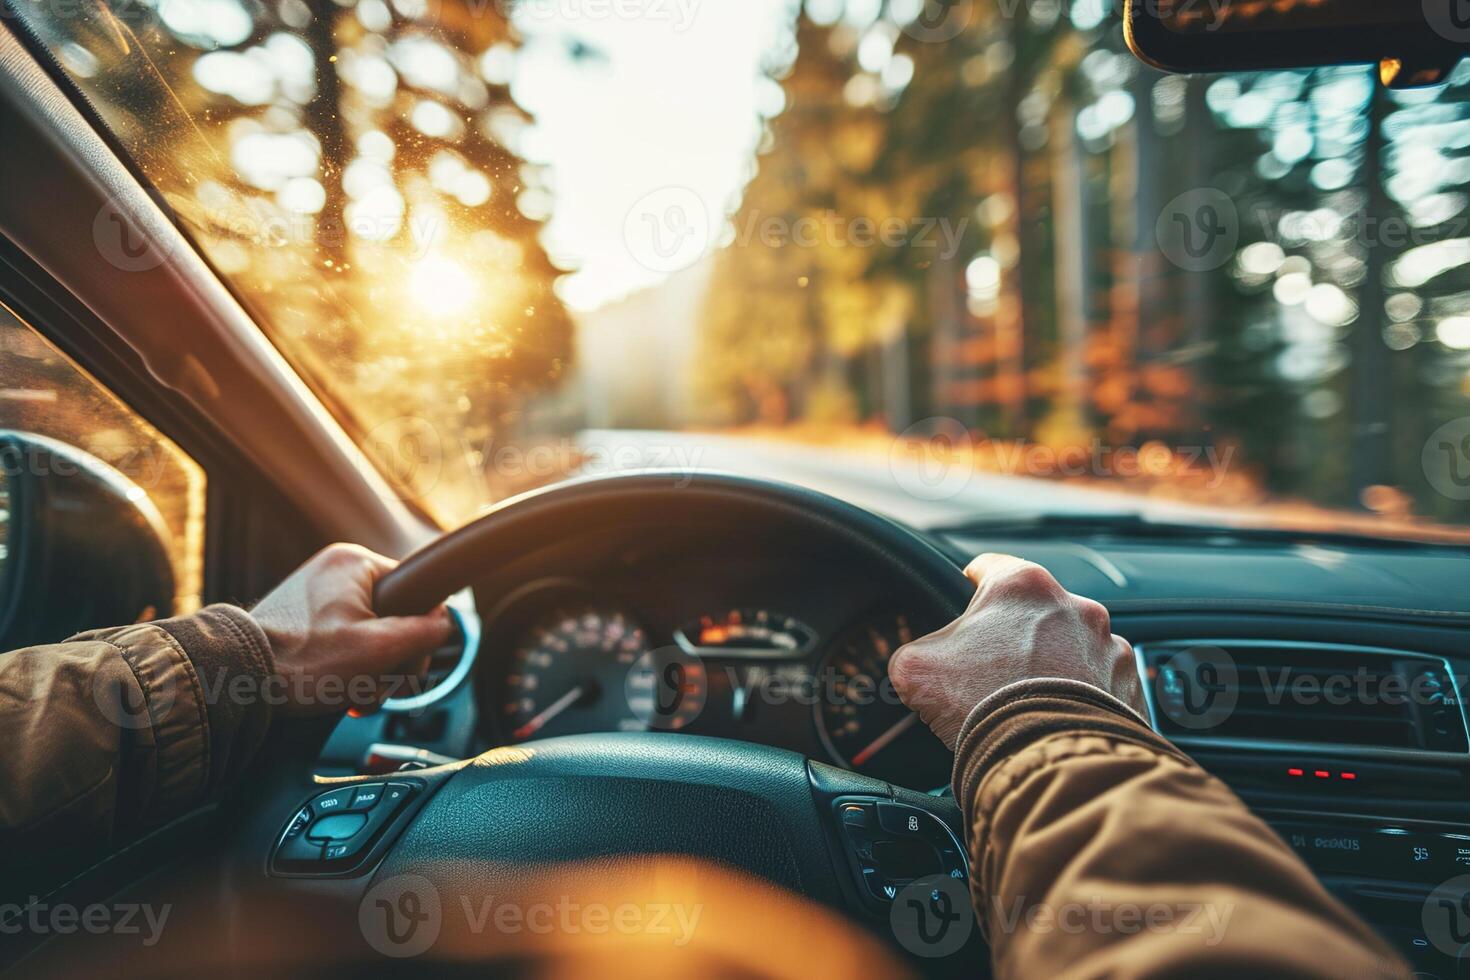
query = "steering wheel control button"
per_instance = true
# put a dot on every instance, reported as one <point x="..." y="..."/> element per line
<point x="338" y="826"/>
<point x="879" y="887"/>
<point x="891" y="845"/>
<point x="932" y="917"/>
<point x="367" y="796"/>
<point x="298" y="823"/>
<point x="335" y="801"/>
<point x="334" y="839"/>
<point x="299" y="848"/>
<point x="895" y="818"/>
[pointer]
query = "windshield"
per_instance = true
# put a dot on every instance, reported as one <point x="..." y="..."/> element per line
<point x="945" y="261"/>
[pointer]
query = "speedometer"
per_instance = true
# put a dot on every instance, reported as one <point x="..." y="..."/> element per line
<point x="568" y="672"/>
<point x="861" y="721"/>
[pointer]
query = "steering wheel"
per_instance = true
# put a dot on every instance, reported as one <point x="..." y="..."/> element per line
<point x="846" y="840"/>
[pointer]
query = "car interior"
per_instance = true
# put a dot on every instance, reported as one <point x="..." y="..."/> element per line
<point x="683" y="657"/>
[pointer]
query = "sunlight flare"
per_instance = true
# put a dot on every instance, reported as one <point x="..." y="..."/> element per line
<point x="441" y="287"/>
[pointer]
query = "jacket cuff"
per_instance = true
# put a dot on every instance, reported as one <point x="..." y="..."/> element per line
<point x="202" y="678"/>
<point x="233" y="659"/>
<point x="1028" y="710"/>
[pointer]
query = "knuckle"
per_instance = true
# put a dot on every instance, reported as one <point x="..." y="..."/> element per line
<point x="901" y="670"/>
<point x="984" y="562"/>
<point x="341" y="553"/>
<point x="1123" y="660"/>
<point x="1029" y="580"/>
<point x="1094" y="615"/>
<point x="1122" y="649"/>
<point x="1127" y="682"/>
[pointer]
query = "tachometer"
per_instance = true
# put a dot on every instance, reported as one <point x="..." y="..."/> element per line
<point x="861" y="721"/>
<point x="568" y="672"/>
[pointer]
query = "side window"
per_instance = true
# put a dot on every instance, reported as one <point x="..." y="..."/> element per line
<point x="93" y="499"/>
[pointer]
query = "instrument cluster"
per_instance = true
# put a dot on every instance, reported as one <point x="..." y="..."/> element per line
<point x="564" y="660"/>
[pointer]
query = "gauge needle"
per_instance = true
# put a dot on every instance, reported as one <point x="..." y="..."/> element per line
<point x="547" y="713"/>
<point x="877" y="745"/>
<point x="740" y="697"/>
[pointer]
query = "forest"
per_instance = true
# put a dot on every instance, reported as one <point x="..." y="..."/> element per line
<point x="1323" y="350"/>
<point x="359" y="173"/>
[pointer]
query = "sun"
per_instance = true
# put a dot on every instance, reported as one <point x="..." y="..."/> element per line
<point x="441" y="287"/>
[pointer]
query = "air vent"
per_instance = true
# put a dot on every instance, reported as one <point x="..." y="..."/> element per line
<point x="1259" y="693"/>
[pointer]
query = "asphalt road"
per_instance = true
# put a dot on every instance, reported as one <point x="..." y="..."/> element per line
<point x="899" y="486"/>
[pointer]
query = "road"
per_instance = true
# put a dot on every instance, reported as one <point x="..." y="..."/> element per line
<point x="899" y="486"/>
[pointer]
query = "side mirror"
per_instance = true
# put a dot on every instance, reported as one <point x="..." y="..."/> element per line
<point x="1414" y="43"/>
<point x="81" y="546"/>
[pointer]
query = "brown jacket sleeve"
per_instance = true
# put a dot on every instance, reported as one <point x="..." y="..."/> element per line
<point x="118" y="730"/>
<point x="1099" y="849"/>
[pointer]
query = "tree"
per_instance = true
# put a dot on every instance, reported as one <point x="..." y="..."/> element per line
<point x="351" y="171"/>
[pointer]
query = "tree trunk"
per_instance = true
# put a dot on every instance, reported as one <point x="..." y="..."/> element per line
<point x="324" y="121"/>
<point x="1370" y="401"/>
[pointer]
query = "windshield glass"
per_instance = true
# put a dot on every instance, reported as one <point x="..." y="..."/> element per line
<point x="946" y="261"/>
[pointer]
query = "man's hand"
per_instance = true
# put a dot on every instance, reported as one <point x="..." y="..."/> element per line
<point x="330" y="648"/>
<point x="1020" y="624"/>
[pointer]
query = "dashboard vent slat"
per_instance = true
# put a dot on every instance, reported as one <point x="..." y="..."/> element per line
<point x="1302" y="693"/>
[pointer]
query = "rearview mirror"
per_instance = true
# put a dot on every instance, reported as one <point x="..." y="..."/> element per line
<point x="81" y="546"/>
<point x="1414" y="43"/>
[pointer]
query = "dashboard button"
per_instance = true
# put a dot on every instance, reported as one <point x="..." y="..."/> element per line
<point x="299" y="849"/>
<point x="905" y="859"/>
<point x="335" y="801"/>
<point x="1458" y="852"/>
<point x="337" y="826"/>
<point x="860" y="843"/>
<point x="954" y="863"/>
<point x="298" y="823"/>
<point x="1332" y="849"/>
<point x="350" y="840"/>
<point x="896" y="818"/>
<point x="341" y="849"/>
<point x="878" y="886"/>
<point x="367" y="796"/>
<point x="1414" y="857"/>
<point x="1389" y="853"/>
<point x="891" y="844"/>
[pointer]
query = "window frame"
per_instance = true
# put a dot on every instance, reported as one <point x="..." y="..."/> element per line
<point x="240" y="562"/>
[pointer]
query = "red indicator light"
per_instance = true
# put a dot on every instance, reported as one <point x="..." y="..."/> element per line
<point x="1321" y="773"/>
<point x="1294" y="772"/>
<point x="1348" y="775"/>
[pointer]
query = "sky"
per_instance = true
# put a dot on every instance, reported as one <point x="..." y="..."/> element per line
<point x="667" y="108"/>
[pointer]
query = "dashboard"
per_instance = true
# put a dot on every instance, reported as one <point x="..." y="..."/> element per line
<point x="737" y="634"/>
<point x="744" y="648"/>
<point x="1373" y="793"/>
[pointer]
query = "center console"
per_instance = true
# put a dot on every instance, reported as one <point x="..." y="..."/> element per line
<point x="1356" y="756"/>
